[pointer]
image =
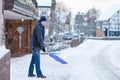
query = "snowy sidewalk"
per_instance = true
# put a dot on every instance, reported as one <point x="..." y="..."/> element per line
<point x="51" y="68"/>
<point x="89" y="61"/>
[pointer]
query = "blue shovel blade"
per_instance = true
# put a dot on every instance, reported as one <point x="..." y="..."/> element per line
<point x="57" y="58"/>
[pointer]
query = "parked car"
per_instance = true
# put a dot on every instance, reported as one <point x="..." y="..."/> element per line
<point x="70" y="36"/>
<point x="75" y="36"/>
<point x="67" y="36"/>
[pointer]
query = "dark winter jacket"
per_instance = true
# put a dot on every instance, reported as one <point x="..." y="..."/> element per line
<point x="37" y="39"/>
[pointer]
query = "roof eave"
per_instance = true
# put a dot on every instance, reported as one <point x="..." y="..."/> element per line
<point x="21" y="9"/>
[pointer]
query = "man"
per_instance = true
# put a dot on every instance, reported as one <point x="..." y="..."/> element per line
<point x="37" y="44"/>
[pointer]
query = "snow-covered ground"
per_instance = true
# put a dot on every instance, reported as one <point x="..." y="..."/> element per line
<point x="92" y="60"/>
<point x="3" y="51"/>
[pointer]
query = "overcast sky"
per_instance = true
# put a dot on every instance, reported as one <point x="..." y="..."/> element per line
<point x="84" y="5"/>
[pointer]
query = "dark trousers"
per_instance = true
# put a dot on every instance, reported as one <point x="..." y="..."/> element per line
<point x="35" y="62"/>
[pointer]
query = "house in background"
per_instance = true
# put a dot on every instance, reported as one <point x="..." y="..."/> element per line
<point x="78" y="23"/>
<point x="109" y="23"/>
<point x="44" y="8"/>
<point x="20" y="17"/>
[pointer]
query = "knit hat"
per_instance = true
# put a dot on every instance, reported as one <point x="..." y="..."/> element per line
<point x="43" y="18"/>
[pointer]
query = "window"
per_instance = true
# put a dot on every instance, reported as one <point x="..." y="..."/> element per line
<point x="44" y="12"/>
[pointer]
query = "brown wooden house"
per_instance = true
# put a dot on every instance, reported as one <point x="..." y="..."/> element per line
<point x="20" y="19"/>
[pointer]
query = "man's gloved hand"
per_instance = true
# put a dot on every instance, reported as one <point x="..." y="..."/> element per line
<point x="44" y="50"/>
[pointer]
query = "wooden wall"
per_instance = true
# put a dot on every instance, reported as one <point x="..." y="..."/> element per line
<point x="12" y="35"/>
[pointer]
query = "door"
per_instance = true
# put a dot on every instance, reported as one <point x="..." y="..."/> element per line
<point x="20" y="38"/>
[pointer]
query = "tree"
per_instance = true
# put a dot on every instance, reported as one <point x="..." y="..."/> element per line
<point x="57" y="11"/>
<point x="52" y="18"/>
<point x="92" y="15"/>
<point x="61" y="16"/>
<point x="61" y="6"/>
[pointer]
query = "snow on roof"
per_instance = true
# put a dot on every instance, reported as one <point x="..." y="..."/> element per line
<point x="109" y="12"/>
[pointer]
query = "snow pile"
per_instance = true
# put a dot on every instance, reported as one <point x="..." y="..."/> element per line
<point x="3" y="51"/>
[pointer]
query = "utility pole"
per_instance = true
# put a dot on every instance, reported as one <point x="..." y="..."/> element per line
<point x="70" y="22"/>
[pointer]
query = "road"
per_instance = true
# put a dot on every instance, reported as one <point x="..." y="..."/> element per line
<point x="106" y="68"/>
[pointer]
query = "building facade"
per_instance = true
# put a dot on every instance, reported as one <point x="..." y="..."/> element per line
<point x="109" y="22"/>
<point x="20" y="17"/>
<point x="4" y="54"/>
<point x="44" y="8"/>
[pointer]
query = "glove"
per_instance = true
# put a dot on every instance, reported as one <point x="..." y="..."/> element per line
<point x="44" y="50"/>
